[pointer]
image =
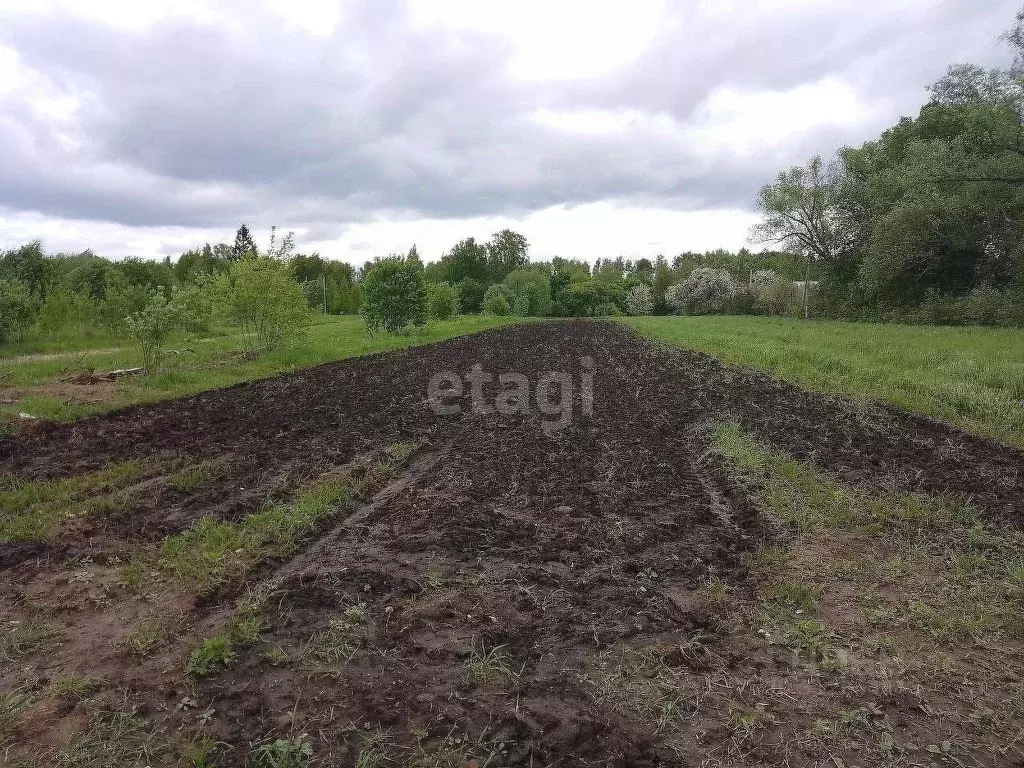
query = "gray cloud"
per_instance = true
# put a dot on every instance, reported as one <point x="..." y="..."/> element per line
<point x="184" y="124"/>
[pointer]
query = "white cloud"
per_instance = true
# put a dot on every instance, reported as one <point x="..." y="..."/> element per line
<point x="597" y="128"/>
<point x="749" y="123"/>
<point x="568" y="39"/>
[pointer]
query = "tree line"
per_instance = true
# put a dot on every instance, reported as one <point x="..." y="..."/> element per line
<point x="265" y="291"/>
<point x="926" y="223"/>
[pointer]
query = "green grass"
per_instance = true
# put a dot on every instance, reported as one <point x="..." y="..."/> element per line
<point x="213" y="554"/>
<point x="922" y="564"/>
<point x="35" y="510"/>
<point x="211" y="362"/>
<point x="971" y="377"/>
<point x="808" y="500"/>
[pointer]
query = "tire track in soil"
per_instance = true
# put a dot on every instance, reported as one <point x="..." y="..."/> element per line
<point x="550" y="546"/>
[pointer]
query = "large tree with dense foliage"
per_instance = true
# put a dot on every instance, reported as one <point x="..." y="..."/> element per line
<point x="466" y="260"/>
<point x="394" y="294"/>
<point x="506" y="252"/>
<point x="930" y="212"/>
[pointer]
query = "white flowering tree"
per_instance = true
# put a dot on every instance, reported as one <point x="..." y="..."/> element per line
<point x="640" y="300"/>
<point x="705" y="291"/>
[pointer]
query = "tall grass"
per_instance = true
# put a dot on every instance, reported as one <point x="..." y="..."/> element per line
<point x="971" y="377"/>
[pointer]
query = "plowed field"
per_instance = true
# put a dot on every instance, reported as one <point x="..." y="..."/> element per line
<point x="466" y="589"/>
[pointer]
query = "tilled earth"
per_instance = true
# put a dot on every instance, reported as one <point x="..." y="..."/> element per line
<point x="475" y="599"/>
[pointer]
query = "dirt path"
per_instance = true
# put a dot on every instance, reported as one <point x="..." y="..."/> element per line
<point x="466" y="613"/>
<point x="41" y="357"/>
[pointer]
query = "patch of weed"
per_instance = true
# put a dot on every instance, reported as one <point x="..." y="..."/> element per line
<point x="29" y="636"/>
<point x="283" y="753"/>
<point x="213" y="553"/>
<point x="73" y="688"/>
<point x="192" y="478"/>
<point x="12" y="712"/>
<point x="487" y="665"/>
<point x="33" y="510"/>
<point x="212" y="656"/>
<point x="809" y="500"/>
<point x="146" y="636"/>
<point x="112" y="739"/>
<point x="337" y="642"/>
<point x="221" y="650"/>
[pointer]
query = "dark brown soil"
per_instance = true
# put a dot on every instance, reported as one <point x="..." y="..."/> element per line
<point x="551" y="547"/>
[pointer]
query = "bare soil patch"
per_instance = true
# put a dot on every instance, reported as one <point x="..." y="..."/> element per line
<point x="505" y="595"/>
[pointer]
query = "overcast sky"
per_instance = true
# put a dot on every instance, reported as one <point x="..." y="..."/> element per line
<point x="595" y="128"/>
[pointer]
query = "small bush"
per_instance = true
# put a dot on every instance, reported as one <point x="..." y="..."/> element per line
<point x="66" y="314"/>
<point x="530" y="290"/>
<point x="743" y="302"/>
<point x="982" y="306"/>
<point x="775" y="295"/>
<point x="196" y="305"/>
<point x="394" y="294"/>
<point x="471" y="295"/>
<point x="442" y="301"/>
<point x="151" y="327"/>
<point x="521" y="306"/>
<point x="121" y="300"/>
<point x="17" y="310"/>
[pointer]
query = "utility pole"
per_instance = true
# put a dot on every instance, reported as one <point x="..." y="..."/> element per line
<point x="324" y="278"/>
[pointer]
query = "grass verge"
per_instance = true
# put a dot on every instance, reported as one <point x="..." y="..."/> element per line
<point x="971" y="377"/>
<point x="889" y="604"/>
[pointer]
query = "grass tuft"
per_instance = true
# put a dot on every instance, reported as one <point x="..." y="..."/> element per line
<point x="487" y="665"/>
<point x="29" y="636"/>
<point x="283" y="753"/>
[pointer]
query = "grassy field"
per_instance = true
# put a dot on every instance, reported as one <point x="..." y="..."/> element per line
<point x="971" y="377"/>
<point x="33" y="383"/>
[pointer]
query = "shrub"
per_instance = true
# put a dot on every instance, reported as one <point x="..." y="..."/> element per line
<point x="17" y="310"/>
<point x="521" y="305"/>
<point x="640" y="300"/>
<point x="394" y="295"/>
<point x="196" y="305"/>
<point x="151" y="327"/>
<point x="762" y="277"/>
<point x="982" y="306"/>
<point x="704" y="291"/>
<point x="260" y="296"/>
<point x="743" y="302"/>
<point x="534" y="286"/>
<point x="496" y="301"/>
<point x="66" y="313"/>
<point x="442" y="300"/>
<point x="121" y="299"/>
<point x="471" y="295"/>
<point x="775" y="295"/>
